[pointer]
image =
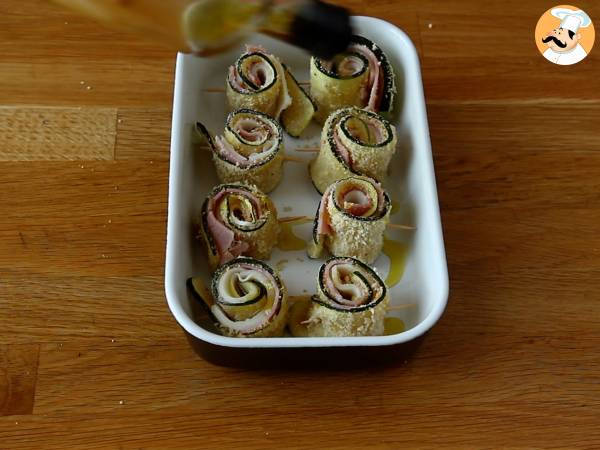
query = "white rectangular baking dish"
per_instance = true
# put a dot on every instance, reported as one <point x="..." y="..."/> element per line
<point x="411" y="183"/>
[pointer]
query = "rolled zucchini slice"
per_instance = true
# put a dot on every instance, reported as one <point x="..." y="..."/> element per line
<point x="259" y="81"/>
<point x="351" y="300"/>
<point x="250" y="150"/>
<point x="250" y="300"/>
<point x="351" y="220"/>
<point x="362" y="76"/>
<point x="237" y="219"/>
<point x="353" y="142"/>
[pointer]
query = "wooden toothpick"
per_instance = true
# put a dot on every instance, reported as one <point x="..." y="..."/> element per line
<point x="397" y="226"/>
<point x="400" y="307"/>
<point x="285" y="158"/>
<point x="293" y="159"/>
<point x="220" y="89"/>
<point x="293" y="219"/>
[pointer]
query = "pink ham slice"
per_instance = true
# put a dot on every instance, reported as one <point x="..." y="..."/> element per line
<point x="227" y="247"/>
<point x="375" y="81"/>
<point x="356" y="202"/>
<point x="236" y="80"/>
<point x="341" y="148"/>
<point x="252" y="130"/>
<point x="226" y="150"/>
<point x="323" y="219"/>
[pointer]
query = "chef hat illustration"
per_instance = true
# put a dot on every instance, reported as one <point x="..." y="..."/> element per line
<point x="572" y="19"/>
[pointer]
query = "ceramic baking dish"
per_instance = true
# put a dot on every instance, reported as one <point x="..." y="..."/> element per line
<point x="411" y="184"/>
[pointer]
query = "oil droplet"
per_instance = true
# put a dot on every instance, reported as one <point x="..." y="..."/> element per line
<point x="397" y="252"/>
<point x="393" y="325"/>
<point x="395" y="207"/>
<point x="288" y="241"/>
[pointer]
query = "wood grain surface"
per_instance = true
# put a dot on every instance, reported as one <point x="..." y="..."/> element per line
<point x="90" y="356"/>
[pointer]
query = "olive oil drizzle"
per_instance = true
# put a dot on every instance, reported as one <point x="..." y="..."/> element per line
<point x="397" y="253"/>
<point x="393" y="325"/>
<point x="288" y="241"/>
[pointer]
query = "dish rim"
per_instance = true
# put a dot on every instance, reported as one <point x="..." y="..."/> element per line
<point x="176" y="161"/>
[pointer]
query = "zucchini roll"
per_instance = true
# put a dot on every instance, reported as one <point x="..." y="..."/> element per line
<point x="362" y="76"/>
<point x="351" y="220"/>
<point x="249" y="299"/>
<point x="238" y="220"/>
<point x="250" y="150"/>
<point x="353" y="141"/>
<point x="258" y="80"/>
<point x="351" y="300"/>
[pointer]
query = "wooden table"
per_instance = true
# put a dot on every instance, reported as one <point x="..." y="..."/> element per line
<point x="90" y="356"/>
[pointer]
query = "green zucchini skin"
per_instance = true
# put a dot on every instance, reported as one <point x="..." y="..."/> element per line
<point x="296" y="117"/>
<point x="206" y="235"/>
<point x="197" y="295"/>
<point x="202" y="136"/>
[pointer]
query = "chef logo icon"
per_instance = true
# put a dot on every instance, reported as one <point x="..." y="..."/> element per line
<point x="564" y="35"/>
